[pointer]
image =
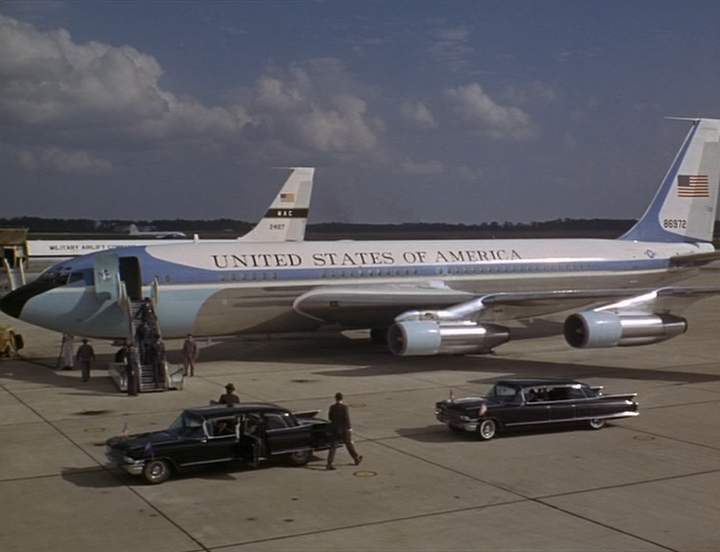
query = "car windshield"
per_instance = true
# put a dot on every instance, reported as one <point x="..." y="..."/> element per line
<point x="504" y="393"/>
<point x="187" y="425"/>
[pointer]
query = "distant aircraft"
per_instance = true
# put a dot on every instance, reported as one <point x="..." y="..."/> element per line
<point x="134" y="231"/>
<point x="426" y="297"/>
<point x="284" y="221"/>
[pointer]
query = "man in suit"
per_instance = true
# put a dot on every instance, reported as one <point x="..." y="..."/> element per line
<point x="339" y="417"/>
<point x="229" y="398"/>
<point x="132" y="370"/>
<point x="85" y="356"/>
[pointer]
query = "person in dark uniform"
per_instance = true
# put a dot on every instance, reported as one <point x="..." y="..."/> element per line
<point x="132" y="371"/>
<point x="146" y="313"/>
<point x="158" y="360"/>
<point x="339" y="416"/>
<point x="121" y="354"/>
<point x="140" y="338"/>
<point x="229" y="398"/>
<point x="85" y="357"/>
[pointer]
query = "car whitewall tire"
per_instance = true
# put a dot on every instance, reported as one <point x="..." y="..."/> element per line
<point x="156" y="471"/>
<point x="487" y="429"/>
<point x="597" y="423"/>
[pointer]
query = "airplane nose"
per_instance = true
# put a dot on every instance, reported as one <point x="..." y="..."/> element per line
<point x="12" y="303"/>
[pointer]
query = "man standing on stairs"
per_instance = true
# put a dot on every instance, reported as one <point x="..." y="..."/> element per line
<point x="190" y="354"/>
<point x="132" y="371"/>
<point x="158" y="361"/>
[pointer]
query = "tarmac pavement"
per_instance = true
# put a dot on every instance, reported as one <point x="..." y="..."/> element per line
<point x="649" y="483"/>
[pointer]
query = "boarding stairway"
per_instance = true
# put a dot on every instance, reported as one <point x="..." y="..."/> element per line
<point x="151" y="378"/>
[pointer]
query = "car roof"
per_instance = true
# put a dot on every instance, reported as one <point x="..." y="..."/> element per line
<point x="214" y="410"/>
<point x="534" y="382"/>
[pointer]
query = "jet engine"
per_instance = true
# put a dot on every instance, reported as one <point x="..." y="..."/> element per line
<point x="594" y="329"/>
<point x="430" y="337"/>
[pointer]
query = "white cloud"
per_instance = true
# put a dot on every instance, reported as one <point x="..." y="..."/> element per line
<point x="417" y="114"/>
<point x="422" y="168"/>
<point x="55" y="90"/>
<point x="478" y="110"/>
<point x="47" y="80"/>
<point x="63" y="161"/>
<point x="315" y="105"/>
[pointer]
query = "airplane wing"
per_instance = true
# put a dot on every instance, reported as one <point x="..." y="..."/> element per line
<point x="287" y="216"/>
<point x="698" y="259"/>
<point x="379" y="305"/>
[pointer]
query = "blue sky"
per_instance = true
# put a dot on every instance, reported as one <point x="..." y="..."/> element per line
<point x="412" y="111"/>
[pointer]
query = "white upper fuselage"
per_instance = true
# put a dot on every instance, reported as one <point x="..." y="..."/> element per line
<point x="220" y="288"/>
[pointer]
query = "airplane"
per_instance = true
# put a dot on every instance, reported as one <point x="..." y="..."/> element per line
<point x="424" y="297"/>
<point x="285" y="220"/>
<point x="133" y="230"/>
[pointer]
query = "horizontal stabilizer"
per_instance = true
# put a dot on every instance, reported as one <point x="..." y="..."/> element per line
<point x="698" y="259"/>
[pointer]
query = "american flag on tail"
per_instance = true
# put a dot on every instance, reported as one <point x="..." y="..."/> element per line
<point x="693" y="185"/>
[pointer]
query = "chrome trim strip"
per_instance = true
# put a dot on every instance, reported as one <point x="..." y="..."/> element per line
<point x="581" y="419"/>
<point x="208" y="461"/>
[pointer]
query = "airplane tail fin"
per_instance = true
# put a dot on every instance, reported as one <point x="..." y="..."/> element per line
<point x="683" y="209"/>
<point x="287" y="216"/>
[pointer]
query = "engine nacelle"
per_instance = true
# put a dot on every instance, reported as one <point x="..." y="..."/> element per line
<point x="594" y="329"/>
<point x="429" y="337"/>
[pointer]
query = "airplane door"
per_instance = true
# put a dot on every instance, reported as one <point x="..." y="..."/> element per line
<point x="106" y="274"/>
<point x="130" y="274"/>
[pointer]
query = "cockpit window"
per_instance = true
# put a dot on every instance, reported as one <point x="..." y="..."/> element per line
<point x="54" y="278"/>
<point x="85" y="276"/>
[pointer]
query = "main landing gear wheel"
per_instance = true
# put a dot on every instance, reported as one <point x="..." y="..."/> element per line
<point x="597" y="423"/>
<point x="487" y="429"/>
<point x="156" y="471"/>
<point x="299" y="457"/>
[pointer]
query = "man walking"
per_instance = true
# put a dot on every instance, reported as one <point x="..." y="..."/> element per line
<point x="339" y="417"/>
<point x="85" y="357"/>
<point x="190" y="354"/>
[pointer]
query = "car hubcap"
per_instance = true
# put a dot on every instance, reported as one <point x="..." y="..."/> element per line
<point x="487" y="429"/>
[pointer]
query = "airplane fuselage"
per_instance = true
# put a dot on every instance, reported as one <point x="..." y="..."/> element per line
<point x="211" y="288"/>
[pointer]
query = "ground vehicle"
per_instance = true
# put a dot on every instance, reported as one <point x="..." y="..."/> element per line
<point x="527" y="402"/>
<point x="246" y="433"/>
<point x="10" y="342"/>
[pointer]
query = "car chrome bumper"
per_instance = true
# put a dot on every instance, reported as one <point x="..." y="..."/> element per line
<point x="133" y="468"/>
<point x="467" y="426"/>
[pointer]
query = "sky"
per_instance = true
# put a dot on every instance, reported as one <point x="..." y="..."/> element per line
<point x="412" y="111"/>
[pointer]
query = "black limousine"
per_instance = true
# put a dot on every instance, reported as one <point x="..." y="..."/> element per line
<point x="247" y="433"/>
<point x="518" y="403"/>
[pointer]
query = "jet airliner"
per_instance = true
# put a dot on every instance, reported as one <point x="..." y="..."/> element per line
<point x="425" y="297"/>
